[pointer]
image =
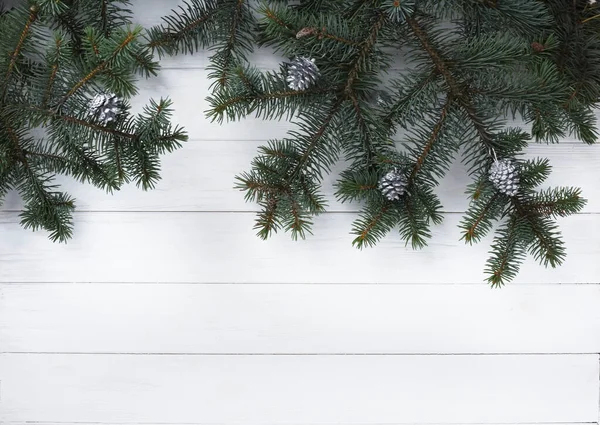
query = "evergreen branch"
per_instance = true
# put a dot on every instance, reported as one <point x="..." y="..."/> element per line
<point x="367" y="146"/>
<point x="432" y="139"/>
<point x="397" y="108"/>
<point x="314" y="139"/>
<point x="17" y="50"/>
<point x="436" y="58"/>
<point x="482" y="219"/>
<point x="413" y="227"/>
<point x="364" y="234"/>
<point x="375" y="222"/>
<point x="455" y="89"/>
<point x="322" y="33"/>
<point x="230" y="45"/>
<point x="548" y="248"/>
<point x="298" y="225"/>
<point x="222" y="107"/>
<point x="45" y="155"/>
<point x="363" y="53"/>
<point x="167" y="36"/>
<point x="131" y="35"/>
<point x="81" y="122"/>
<point x="121" y="174"/>
<point x="267" y="222"/>
<point x="51" y="79"/>
<point x="272" y="16"/>
<point x="20" y="153"/>
<point x="558" y="202"/>
<point x="506" y="255"/>
<point x="50" y="84"/>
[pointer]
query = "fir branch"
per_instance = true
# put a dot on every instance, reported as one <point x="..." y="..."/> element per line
<point x="231" y="44"/>
<point x="432" y="138"/>
<point x="45" y="155"/>
<point x="33" y="14"/>
<point x="19" y="151"/>
<point x="412" y="225"/>
<point x="79" y="121"/>
<point x="314" y="140"/>
<point x="163" y="37"/>
<point x="130" y="38"/>
<point x="506" y="253"/>
<point x="266" y="222"/>
<point x="472" y="233"/>
<point x="366" y="139"/>
<point x="546" y="246"/>
<point x="272" y="16"/>
<point x="322" y="33"/>
<point x="58" y="43"/>
<point x="220" y="108"/>
<point x="455" y="89"/>
<point x="558" y="202"/>
<point x="50" y="84"/>
<point x="363" y="53"/>
<point x="374" y="223"/>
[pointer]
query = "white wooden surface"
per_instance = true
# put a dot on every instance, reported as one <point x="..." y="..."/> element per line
<point x="299" y="319"/>
<point x="166" y="309"/>
<point x="300" y="389"/>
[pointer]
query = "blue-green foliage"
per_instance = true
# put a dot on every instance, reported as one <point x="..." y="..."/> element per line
<point x="54" y="57"/>
<point x="456" y="72"/>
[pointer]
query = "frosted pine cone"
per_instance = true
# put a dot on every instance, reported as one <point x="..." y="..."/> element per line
<point x="505" y="177"/>
<point x="393" y="185"/>
<point x="106" y="107"/>
<point x="302" y="73"/>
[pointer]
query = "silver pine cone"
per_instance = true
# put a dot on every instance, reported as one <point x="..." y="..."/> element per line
<point x="393" y="185"/>
<point x="505" y="177"/>
<point x="302" y="73"/>
<point x="105" y="107"/>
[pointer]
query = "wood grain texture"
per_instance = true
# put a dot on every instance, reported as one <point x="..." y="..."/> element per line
<point x="299" y="389"/>
<point x="303" y="319"/>
<point x="387" y="336"/>
<point x="200" y="177"/>
<point x="222" y="248"/>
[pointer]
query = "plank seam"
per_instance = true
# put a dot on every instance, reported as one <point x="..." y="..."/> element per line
<point x="387" y="354"/>
<point x="19" y="283"/>
<point x="212" y="423"/>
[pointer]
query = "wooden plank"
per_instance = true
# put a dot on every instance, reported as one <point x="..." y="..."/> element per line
<point x="304" y="319"/>
<point x="223" y="248"/>
<point x="299" y="389"/>
<point x="200" y="177"/>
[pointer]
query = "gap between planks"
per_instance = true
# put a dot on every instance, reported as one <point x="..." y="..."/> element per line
<point x="245" y="284"/>
<point x="386" y="354"/>
<point x="212" y="423"/>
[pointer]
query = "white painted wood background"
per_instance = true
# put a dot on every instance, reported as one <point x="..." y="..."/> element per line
<point x="166" y="309"/>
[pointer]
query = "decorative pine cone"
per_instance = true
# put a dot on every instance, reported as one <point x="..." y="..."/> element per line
<point x="302" y="73"/>
<point x="393" y="185"/>
<point x="106" y="107"/>
<point x="504" y="176"/>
